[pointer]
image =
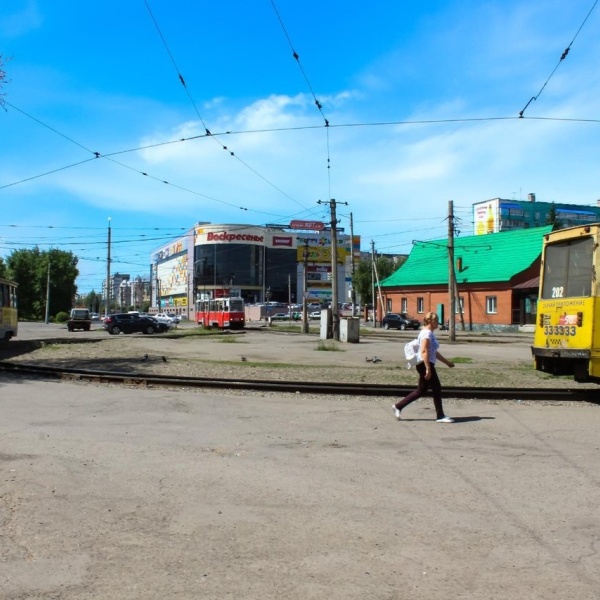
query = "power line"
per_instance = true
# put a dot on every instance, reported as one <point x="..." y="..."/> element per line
<point x="562" y="57"/>
<point x="208" y="133"/>
<point x="109" y="158"/>
<point x="272" y="130"/>
<point x="297" y="59"/>
<point x="310" y="87"/>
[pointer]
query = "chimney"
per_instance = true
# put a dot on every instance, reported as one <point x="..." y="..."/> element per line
<point x="531" y="197"/>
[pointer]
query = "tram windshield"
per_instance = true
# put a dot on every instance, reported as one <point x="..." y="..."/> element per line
<point x="568" y="269"/>
<point x="236" y="305"/>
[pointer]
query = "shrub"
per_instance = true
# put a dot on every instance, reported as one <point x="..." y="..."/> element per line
<point x="61" y="317"/>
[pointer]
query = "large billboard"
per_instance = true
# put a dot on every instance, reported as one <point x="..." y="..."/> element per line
<point x="485" y="217"/>
<point x="170" y="268"/>
<point x="172" y="276"/>
<point x="319" y="248"/>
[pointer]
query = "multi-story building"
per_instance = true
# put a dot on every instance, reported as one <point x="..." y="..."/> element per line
<point x="258" y="263"/>
<point x="498" y="214"/>
<point x="120" y="291"/>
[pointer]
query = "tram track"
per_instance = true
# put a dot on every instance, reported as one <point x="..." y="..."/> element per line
<point x="306" y="387"/>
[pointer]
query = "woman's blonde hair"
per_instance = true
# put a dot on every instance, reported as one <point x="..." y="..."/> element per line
<point x="430" y="316"/>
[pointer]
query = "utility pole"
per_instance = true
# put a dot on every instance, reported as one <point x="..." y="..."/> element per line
<point x="451" y="275"/>
<point x="289" y="297"/>
<point x="48" y="296"/>
<point x="335" y="313"/>
<point x="107" y="312"/>
<point x="353" y="293"/>
<point x="305" y="287"/>
<point x="373" y="300"/>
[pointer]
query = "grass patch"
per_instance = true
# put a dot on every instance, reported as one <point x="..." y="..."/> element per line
<point x="228" y="339"/>
<point x="462" y="360"/>
<point x="325" y="346"/>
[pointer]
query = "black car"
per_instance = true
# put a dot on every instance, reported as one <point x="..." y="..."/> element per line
<point x="399" y="321"/>
<point x="133" y="323"/>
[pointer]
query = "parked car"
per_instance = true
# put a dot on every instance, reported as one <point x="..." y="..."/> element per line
<point x="280" y="316"/>
<point x="132" y="323"/>
<point x="400" y="321"/>
<point x="315" y="314"/>
<point x="165" y="318"/>
<point x="79" y="318"/>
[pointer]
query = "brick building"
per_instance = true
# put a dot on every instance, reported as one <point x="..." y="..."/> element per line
<point x="497" y="279"/>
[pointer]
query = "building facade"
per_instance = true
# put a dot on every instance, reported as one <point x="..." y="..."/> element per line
<point x="496" y="280"/>
<point x="258" y="263"/>
<point x="126" y="292"/>
<point x="498" y="214"/>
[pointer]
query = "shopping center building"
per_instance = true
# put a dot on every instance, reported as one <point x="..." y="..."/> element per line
<point x="258" y="263"/>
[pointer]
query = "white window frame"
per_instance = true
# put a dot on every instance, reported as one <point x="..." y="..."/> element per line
<point x="420" y="305"/>
<point x="491" y="305"/>
<point x="459" y="306"/>
<point x="404" y="305"/>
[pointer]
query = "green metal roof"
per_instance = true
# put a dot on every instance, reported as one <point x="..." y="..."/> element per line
<point x="485" y="258"/>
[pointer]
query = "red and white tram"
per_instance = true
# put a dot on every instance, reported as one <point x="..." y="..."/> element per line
<point x="224" y="313"/>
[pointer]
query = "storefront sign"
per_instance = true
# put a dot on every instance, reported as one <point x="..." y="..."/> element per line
<point x="307" y="225"/>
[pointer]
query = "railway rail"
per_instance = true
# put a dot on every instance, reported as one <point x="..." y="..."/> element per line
<point x="351" y="389"/>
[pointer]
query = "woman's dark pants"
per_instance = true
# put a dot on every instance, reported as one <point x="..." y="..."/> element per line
<point x="436" y="390"/>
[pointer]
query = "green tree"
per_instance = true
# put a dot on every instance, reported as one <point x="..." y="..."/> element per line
<point x="92" y="300"/>
<point x="362" y="280"/>
<point x="24" y="267"/>
<point x="552" y="218"/>
<point x="63" y="273"/>
<point x="3" y="269"/>
<point x="30" y="268"/>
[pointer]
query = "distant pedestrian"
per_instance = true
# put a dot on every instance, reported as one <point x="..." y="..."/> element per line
<point x="428" y="377"/>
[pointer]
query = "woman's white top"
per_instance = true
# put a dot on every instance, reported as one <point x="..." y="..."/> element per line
<point x="426" y="333"/>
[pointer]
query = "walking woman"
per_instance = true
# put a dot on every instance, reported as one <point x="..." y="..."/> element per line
<point x="428" y="378"/>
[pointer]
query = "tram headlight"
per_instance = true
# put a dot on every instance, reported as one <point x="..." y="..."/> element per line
<point x="541" y="320"/>
<point x="579" y="319"/>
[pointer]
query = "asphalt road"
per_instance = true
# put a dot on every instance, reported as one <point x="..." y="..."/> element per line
<point x="113" y="492"/>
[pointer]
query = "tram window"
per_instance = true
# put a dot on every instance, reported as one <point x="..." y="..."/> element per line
<point x="236" y="304"/>
<point x="568" y="269"/>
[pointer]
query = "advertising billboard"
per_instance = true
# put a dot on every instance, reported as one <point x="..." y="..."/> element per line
<point x="485" y="217"/>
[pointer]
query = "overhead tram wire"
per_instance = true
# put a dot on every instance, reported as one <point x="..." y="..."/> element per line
<point x="109" y="158"/>
<point x="98" y="155"/>
<point x="266" y="130"/>
<point x="273" y="130"/>
<point x="562" y="57"/>
<point x="310" y="87"/>
<point x="206" y="129"/>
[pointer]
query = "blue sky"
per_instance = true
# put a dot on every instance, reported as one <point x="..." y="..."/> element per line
<point x="422" y="100"/>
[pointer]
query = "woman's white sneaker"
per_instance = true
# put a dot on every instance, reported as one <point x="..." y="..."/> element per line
<point x="445" y="420"/>
<point x="396" y="412"/>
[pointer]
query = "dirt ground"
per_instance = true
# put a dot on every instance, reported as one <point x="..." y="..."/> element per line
<point x="108" y="492"/>
<point x="272" y="353"/>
